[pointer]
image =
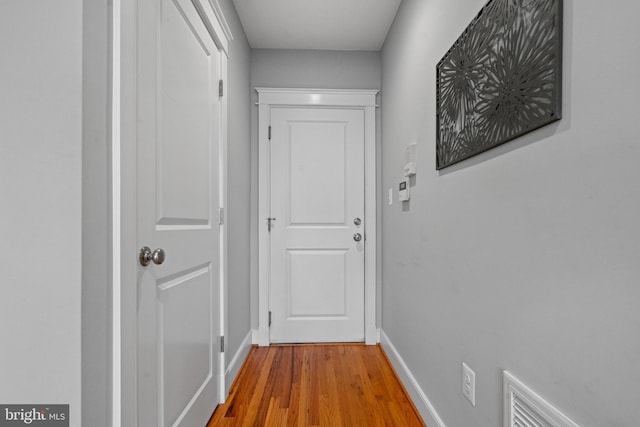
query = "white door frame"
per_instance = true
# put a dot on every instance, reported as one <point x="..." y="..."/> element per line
<point x="122" y="202"/>
<point x="364" y="100"/>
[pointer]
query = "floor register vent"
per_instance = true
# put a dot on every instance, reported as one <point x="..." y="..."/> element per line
<point x="524" y="408"/>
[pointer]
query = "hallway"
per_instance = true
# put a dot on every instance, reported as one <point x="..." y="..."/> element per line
<point x="520" y="260"/>
<point x="317" y="385"/>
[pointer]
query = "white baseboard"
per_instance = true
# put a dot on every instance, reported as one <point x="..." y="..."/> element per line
<point x="420" y="400"/>
<point x="236" y="363"/>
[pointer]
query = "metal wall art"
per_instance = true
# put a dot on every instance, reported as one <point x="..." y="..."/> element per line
<point x="500" y="79"/>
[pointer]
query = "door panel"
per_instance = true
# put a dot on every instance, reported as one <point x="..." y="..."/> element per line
<point x="178" y="170"/>
<point x="318" y="176"/>
<point x="318" y="283"/>
<point x="317" y="190"/>
<point x="184" y="327"/>
<point x="184" y="109"/>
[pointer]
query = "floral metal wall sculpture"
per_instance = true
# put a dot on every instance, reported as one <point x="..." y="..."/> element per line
<point x="500" y="79"/>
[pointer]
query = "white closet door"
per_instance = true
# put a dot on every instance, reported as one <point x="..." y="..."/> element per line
<point x="178" y="173"/>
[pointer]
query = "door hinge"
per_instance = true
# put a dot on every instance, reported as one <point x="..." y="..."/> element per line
<point x="270" y="224"/>
<point x="221" y="88"/>
<point x="220" y="216"/>
<point x="269" y="319"/>
<point x="222" y="344"/>
<point x="269" y="133"/>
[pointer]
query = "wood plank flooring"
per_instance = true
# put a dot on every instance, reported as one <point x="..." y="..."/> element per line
<point x="334" y="385"/>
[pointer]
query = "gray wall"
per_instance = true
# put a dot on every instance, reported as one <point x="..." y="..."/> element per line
<point x="239" y="174"/>
<point x="95" y="225"/>
<point x="315" y="69"/>
<point x="524" y="258"/>
<point x="41" y="130"/>
<point x="300" y="69"/>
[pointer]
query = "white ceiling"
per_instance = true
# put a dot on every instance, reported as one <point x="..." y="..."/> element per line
<point x="317" y="24"/>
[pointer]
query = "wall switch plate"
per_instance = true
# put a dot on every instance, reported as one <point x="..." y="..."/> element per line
<point x="469" y="384"/>
<point x="390" y="196"/>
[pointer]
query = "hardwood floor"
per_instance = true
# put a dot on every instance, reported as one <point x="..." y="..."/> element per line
<point x="348" y="385"/>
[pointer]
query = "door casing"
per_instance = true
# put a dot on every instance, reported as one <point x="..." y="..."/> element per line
<point x="122" y="202"/>
<point x="317" y="98"/>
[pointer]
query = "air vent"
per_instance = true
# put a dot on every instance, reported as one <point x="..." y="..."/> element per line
<point x="524" y="408"/>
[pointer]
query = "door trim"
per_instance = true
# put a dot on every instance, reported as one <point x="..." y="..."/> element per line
<point x="122" y="159"/>
<point x="364" y="100"/>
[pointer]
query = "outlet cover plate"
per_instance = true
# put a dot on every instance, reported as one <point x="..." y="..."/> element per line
<point x="469" y="384"/>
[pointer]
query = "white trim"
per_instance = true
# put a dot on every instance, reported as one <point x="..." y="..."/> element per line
<point x="264" y="182"/>
<point x="420" y="399"/>
<point x="347" y="98"/>
<point x="215" y="22"/>
<point x="114" y="387"/>
<point x="236" y="363"/>
<point x="224" y="229"/>
<point x="317" y="97"/>
<point x="370" y="226"/>
<point x="221" y="19"/>
<point x="124" y="218"/>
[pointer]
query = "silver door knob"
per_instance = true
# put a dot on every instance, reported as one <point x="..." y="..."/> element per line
<point x="158" y="256"/>
<point x="357" y="221"/>
<point x="145" y="256"/>
<point x="357" y="237"/>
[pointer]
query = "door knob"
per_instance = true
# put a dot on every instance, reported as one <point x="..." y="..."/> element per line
<point x="158" y="256"/>
<point x="357" y="237"/>
<point x="145" y="256"/>
<point x="357" y="221"/>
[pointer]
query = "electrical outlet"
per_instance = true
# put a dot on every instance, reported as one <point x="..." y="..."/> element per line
<point x="469" y="384"/>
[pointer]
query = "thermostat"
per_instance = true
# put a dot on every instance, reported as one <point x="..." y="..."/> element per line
<point x="403" y="193"/>
<point x="410" y="160"/>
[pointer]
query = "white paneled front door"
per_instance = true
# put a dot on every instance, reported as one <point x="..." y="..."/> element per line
<point x="317" y="225"/>
<point x="178" y="171"/>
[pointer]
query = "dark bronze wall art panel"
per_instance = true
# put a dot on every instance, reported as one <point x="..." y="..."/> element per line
<point x="500" y="79"/>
